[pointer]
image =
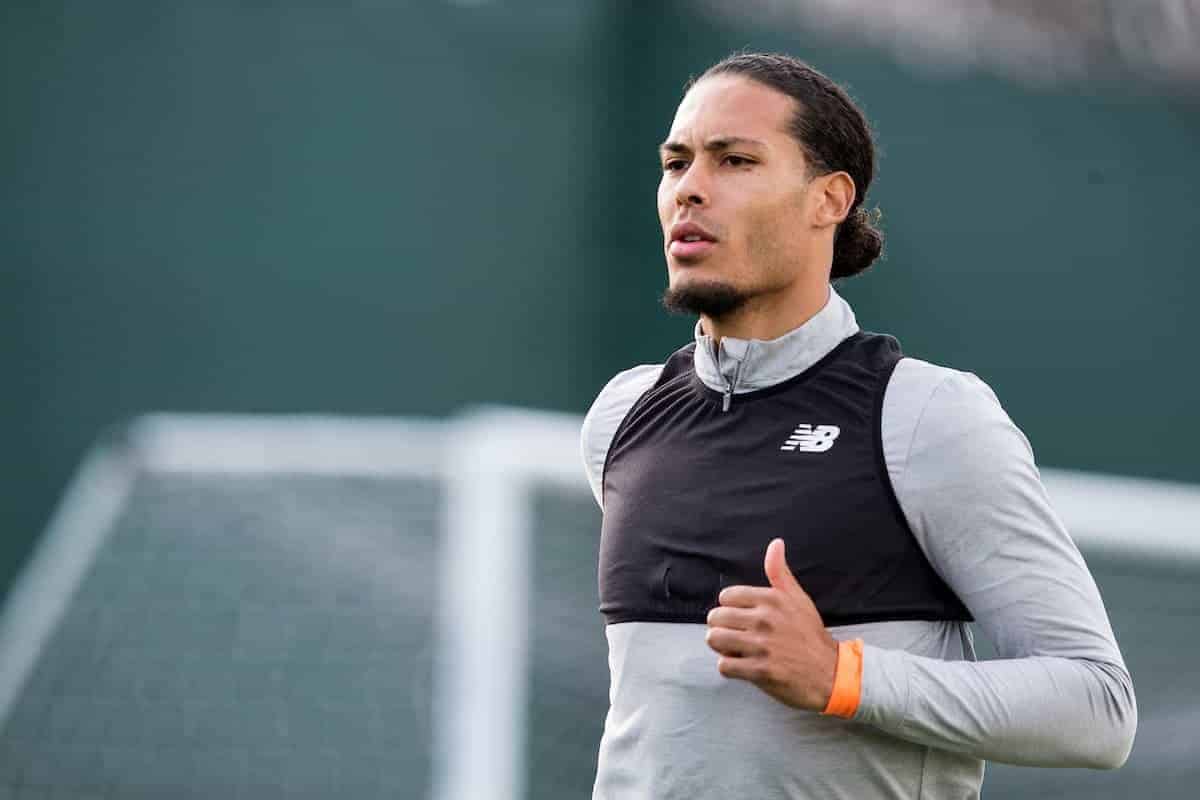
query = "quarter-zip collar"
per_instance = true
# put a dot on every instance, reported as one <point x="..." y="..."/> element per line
<point x="744" y="365"/>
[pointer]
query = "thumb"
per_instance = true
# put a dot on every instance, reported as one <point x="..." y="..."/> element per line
<point x="777" y="569"/>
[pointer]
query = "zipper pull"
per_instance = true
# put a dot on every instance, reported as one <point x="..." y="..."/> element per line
<point x="727" y="399"/>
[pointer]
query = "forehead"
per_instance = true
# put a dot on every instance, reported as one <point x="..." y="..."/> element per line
<point x="733" y="105"/>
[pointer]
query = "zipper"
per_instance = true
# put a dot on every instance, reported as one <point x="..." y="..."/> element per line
<point x="727" y="396"/>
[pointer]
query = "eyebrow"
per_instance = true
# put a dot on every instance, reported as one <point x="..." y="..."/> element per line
<point x="712" y="145"/>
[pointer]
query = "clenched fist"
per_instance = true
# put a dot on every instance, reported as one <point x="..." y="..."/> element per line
<point x="774" y="637"/>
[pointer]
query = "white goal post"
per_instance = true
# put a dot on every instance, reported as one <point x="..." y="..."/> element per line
<point x="495" y="458"/>
<point x="490" y="461"/>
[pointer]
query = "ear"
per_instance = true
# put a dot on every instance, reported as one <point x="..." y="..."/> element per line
<point x="835" y="195"/>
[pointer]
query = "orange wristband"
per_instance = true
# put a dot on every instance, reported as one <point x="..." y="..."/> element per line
<point x="847" y="680"/>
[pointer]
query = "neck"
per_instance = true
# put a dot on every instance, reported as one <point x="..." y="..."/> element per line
<point x="769" y="317"/>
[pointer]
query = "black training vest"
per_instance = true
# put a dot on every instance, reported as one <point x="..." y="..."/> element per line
<point x="693" y="495"/>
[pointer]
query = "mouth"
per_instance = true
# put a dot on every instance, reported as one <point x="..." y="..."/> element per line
<point x="690" y="242"/>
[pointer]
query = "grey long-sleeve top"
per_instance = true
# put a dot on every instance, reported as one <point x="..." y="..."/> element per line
<point x="929" y="714"/>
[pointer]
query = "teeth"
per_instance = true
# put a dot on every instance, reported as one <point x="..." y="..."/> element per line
<point x="691" y="238"/>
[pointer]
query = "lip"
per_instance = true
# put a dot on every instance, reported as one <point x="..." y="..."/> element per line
<point x="681" y="230"/>
<point x="690" y="251"/>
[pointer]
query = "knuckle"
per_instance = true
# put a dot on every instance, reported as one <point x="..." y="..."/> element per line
<point x="768" y="671"/>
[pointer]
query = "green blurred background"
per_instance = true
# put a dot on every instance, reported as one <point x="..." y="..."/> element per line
<point x="405" y="208"/>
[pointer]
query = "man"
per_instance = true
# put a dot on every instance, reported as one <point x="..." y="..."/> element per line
<point x="799" y="522"/>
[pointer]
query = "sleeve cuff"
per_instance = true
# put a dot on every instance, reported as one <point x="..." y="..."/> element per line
<point x="847" y="680"/>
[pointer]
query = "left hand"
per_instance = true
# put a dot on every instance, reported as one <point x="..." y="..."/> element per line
<point x="774" y="637"/>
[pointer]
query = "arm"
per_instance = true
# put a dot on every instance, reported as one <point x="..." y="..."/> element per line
<point x="1060" y="695"/>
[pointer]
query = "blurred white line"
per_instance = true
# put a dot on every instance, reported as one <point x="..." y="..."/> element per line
<point x="41" y="593"/>
<point x="285" y="444"/>
<point x="1156" y="520"/>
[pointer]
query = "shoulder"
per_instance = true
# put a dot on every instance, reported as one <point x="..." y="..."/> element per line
<point x="918" y="389"/>
<point x="605" y="415"/>
<point x="931" y="407"/>
<point x="916" y="383"/>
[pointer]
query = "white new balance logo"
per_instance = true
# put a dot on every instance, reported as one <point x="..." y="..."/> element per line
<point x="808" y="439"/>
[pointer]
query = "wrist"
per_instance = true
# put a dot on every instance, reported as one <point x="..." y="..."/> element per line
<point x="847" y="680"/>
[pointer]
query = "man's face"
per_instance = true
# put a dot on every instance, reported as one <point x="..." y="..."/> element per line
<point x="731" y="168"/>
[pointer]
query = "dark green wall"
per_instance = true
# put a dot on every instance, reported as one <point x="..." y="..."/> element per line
<point x="404" y="210"/>
<point x="270" y="208"/>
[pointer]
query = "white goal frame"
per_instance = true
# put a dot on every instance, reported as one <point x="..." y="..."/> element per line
<point x="491" y="460"/>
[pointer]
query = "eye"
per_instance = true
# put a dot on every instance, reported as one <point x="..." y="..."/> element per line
<point x="674" y="165"/>
<point x="736" y="161"/>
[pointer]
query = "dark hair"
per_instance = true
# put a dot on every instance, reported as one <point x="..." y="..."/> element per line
<point x="834" y="136"/>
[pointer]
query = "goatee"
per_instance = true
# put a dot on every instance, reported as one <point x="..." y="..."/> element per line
<point x="711" y="299"/>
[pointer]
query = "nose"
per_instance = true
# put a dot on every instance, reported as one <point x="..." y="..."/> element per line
<point x="691" y="189"/>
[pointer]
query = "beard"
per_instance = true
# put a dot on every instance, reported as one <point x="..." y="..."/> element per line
<point x="712" y="299"/>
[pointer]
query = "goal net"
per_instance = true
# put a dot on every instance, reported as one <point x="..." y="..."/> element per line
<point x="323" y="607"/>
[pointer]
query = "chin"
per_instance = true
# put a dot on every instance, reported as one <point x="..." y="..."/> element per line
<point x="709" y="297"/>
